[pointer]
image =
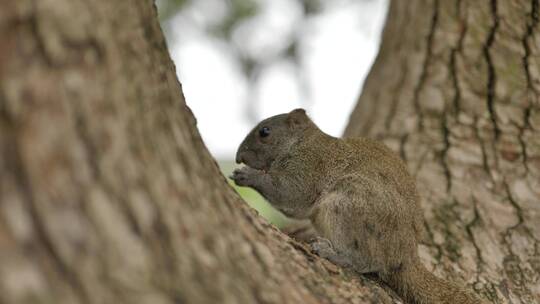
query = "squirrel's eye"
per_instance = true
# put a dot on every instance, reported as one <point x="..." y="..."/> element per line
<point x="264" y="131"/>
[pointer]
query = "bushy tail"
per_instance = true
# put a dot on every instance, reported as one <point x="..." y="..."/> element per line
<point x="416" y="285"/>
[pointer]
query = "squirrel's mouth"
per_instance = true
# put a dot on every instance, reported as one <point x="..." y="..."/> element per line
<point x="256" y="166"/>
<point x="249" y="159"/>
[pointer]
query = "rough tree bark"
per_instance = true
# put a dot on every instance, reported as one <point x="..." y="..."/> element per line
<point x="455" y="90"/>
<point x="108" y="195"/>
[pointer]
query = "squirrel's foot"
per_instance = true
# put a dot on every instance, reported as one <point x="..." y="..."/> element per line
<point x="244" y="176"/>
<point x="323" y="248"/>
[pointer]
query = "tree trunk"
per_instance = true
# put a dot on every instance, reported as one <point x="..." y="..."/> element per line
<point x="108" y="194"/>
<point x="455" y="90"/>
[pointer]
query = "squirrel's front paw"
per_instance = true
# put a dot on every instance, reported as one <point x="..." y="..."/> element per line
<point x="322" y="247"/>
<point x="244" y="176"/>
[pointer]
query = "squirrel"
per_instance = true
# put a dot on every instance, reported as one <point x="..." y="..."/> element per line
<point x="358" y="195"/>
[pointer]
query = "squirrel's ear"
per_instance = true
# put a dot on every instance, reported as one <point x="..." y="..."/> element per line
<point x="297" y="117"/>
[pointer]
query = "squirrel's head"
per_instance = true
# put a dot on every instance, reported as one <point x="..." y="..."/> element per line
<point x="272" y="138"/>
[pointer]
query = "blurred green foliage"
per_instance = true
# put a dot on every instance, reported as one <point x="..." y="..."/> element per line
<point x="169" y="8"/>
<point x="238" y="12"/>
<point x="239" y="9"/>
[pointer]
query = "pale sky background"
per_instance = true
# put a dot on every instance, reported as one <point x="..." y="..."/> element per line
<point x="337" y="48"/>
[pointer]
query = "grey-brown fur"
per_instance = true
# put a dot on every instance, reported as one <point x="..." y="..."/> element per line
<point x="357" y="193"/>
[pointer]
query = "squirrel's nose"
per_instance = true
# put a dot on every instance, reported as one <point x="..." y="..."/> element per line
<point x="239" y="158"/>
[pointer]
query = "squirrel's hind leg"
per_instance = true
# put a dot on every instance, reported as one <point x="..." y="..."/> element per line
<point x="300" y="230"/>
<point x="324" y="248"/>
